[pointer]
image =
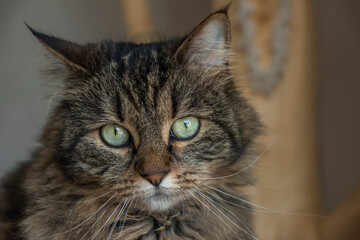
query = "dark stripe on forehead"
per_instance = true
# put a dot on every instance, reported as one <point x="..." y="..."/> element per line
<point x="174" y="102"/>
<point x="161" y="75"/>
<point x="130" y="97"/>
<point x="163" y="68"/>
<point x="117" y="55"/>
<point x="138" y="83"/>
<point x="118" y="107"/>
<point x="156" y="94"/>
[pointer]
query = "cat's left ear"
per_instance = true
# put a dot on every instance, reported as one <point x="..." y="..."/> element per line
<point x="78" y="58"/>
<point x="208" y="44"/>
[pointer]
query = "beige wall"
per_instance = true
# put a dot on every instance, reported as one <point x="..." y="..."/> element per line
<point x="338" y="54"/>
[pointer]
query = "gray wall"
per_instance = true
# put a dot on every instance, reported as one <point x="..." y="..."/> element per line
<point x="23" y="94"/>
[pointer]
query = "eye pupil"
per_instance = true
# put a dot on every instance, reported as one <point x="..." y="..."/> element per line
<point x="186" y="123"/>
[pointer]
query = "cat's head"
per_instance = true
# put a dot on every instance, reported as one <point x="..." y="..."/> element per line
<point x="150" y="121"/>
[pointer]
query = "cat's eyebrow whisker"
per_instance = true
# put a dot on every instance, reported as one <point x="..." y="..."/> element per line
<point x="245" y="168"/>
<point x="264" y="209"/>
<point x="112" y="214"/>
<point x="250" y="234"/>
<point x="215" y="214"/>
<point x="92" y="215"/>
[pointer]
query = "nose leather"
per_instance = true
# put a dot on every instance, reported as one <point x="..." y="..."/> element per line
<point x="155" y="179"/>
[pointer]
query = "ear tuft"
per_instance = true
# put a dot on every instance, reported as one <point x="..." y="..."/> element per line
<point x="72" y="54"/>
<point x="208" y="43"/>
<point x="225" y="9"/>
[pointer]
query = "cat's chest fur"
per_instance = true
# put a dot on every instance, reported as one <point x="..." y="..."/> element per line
<point x="106" y="218"/>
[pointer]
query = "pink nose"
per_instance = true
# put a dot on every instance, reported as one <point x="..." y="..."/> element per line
<point x="155" y="179"/>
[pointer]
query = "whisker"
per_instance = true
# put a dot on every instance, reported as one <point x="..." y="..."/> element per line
<point x="179" y="193"/>
<point x="202" y="214"/>
<point x="115" y="210"/>
<point x="237" y="205"/>
<point x="193" y="204"/>
<point x="215" y="214"/>
<point x="241" y="229"/>
<point x="186" y="197"/>
<point x="87" y="200"/>
<point x="77" y="226"/>
<point x="116" y="219"/>
<point x="123" y="224"/>
<point x="246" y="226"/>
<point x="245" y="168"/>
<point x="268" y="210"/>
<point x="98" y="219"/>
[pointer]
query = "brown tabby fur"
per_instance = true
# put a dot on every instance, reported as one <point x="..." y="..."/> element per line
<point x="75" y="186"/>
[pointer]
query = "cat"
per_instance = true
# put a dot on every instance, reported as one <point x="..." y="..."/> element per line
<point x="148" y="141"/>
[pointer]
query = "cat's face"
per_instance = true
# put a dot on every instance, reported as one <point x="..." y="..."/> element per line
<point x="151" y="121"/>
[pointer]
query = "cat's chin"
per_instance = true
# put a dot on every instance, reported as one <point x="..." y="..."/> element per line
<point x="159" y="202"/>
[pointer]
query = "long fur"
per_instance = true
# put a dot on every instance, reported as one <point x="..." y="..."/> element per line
<point x="76" y="187"/>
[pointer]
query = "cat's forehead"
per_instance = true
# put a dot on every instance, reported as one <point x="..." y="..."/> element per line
<point x="137" y="83"/>
<point x="145" y="86"/>
<point x="132" y="54"/>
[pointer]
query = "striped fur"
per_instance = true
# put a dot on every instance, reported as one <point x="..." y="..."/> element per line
<point x="76" y="187"/>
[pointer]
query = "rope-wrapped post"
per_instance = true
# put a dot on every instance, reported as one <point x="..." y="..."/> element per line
<point x="280" y="83"/>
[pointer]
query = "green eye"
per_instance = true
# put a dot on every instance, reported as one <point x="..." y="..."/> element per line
<point x="185" y="128"/>
<point x="115" y="135"/>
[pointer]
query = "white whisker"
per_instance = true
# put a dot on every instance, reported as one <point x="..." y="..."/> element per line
<point x="98" y="219"/>
<point x="241" y="229"/>
<point x="77" y="226"/>
<point x="267" y="210"/>
<point x="115" y="210"/>
<point x="246" y="226"/>
<point x="87" y="200"/>
<point x="214" y="214"/>
<point x="245" y="168"/>
<point x="123" y="224"/>
<point x="115" y="221"/>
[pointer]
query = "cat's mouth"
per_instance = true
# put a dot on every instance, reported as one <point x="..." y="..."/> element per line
<point x="159" y="200"/>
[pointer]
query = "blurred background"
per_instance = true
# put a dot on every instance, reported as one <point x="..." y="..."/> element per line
<point x="326" y="58"/>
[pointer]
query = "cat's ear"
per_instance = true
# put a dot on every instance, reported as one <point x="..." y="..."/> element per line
<point x="208" y="43"/>
<point x="75" y="56"/>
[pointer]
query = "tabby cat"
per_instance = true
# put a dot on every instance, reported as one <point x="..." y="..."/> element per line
<point x="148" y="141"/>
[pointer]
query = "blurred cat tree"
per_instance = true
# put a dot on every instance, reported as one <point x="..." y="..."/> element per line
<point x="289" y="169"/>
